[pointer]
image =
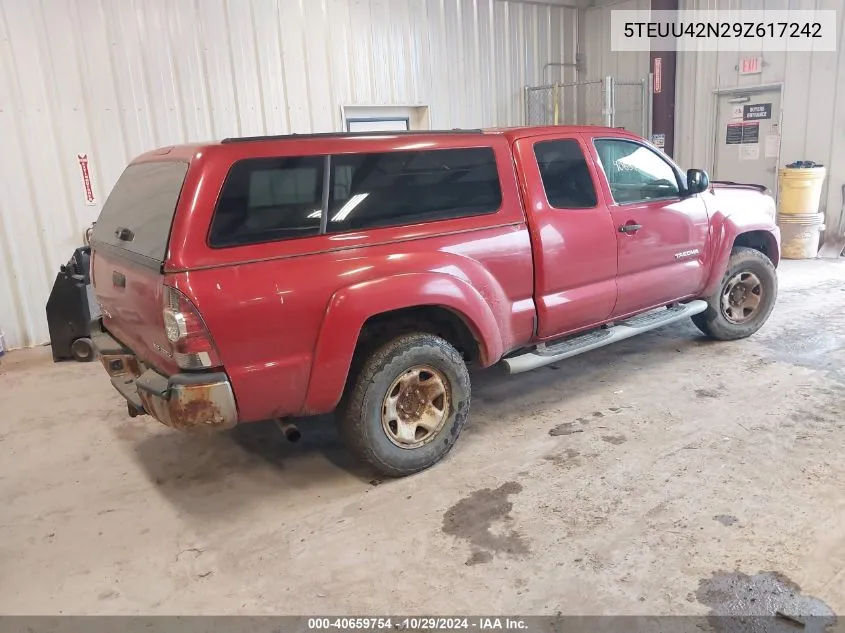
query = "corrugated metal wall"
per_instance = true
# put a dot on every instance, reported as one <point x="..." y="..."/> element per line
<point x="109" y="79"/>
<point x="813" y="98"/>
<point x="600" y="60"/>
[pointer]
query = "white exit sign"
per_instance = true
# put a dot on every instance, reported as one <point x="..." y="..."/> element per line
<point x="751" y="66"/>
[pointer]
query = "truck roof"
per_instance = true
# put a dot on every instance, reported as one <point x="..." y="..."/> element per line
<point x="189" y="150"/>
<point x="514" y="133"/>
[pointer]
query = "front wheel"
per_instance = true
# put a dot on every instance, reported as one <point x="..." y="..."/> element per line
<point x="407" y="405"/>
<point x="744" y="299"/>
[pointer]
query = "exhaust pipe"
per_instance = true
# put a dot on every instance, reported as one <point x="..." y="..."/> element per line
<point x="290" y="430"/>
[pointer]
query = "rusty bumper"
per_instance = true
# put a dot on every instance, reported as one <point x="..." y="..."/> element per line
<point x="188" y="402"/>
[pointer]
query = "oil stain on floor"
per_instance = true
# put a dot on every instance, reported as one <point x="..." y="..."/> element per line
<point x="472" y="519"/>
<point x="567" y="428"/>
<point x="766" y="602"/>
<point x="726" y="519"/>
<point x="567" y="459"/>
<point x="706" y="393"/>
<point x="616" y="440"/>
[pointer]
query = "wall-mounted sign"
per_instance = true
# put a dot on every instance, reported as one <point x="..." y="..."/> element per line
<point x="750" y="66"/>
<point x="772" y="145"/>
<point x="87" y="187"/>
<point x="757" y="111"/>
<point x="659" y="141"/>
<point x="749" y="152"/>
<point x="658" y="75"/>
<point x="742" y="133"/>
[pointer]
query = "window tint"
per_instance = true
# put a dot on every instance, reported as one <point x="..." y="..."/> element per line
<point x="377" y="190"/>
<point x="143" y="201"/>
<point x="265" y="199"/>
<point x="634" y="172"/>
<point x="565" y="175"/>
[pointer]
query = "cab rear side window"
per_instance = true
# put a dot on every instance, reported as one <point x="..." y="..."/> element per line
<point x="271" y="199"/>
<point x="566" y="177"/>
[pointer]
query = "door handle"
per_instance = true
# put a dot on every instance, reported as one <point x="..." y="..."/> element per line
<point x="630" y="228"/>
<point x="118" y="279"/>
<point x="124" y="234"/>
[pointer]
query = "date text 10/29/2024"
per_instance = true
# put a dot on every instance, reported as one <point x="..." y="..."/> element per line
<point x="415" y="624"/>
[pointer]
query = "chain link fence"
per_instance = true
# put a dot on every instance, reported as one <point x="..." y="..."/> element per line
<point x="631" y="107"/>
<point x="602" y="102"/>
<point x="580" y="103"/>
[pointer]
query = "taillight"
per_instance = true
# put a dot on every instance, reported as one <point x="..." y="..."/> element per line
<point x="189" y="338"/>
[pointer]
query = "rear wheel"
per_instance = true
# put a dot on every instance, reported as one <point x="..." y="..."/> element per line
<point x="407" y="405"/>
<point x="744" y="299"/>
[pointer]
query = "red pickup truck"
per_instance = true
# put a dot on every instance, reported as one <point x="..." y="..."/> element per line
<point x="270" y="277"/>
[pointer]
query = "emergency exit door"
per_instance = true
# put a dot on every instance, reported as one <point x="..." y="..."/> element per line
<point x="748" y="138"/>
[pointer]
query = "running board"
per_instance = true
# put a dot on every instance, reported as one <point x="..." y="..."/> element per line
<point x="545" y="354"/>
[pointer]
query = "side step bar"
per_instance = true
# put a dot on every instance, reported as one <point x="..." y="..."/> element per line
<point x="545" y="354"/>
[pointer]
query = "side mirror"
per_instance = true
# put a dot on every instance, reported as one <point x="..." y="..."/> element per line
<point x="697" y="181"/>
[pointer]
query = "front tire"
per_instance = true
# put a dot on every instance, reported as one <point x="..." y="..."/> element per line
<point x="407" y="405"/>
<point x="744" y="299"/>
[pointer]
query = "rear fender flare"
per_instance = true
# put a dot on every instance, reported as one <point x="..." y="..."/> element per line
<point x="349" y="308"/>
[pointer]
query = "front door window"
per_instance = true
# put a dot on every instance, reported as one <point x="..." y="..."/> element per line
<point x="635" y="172"/>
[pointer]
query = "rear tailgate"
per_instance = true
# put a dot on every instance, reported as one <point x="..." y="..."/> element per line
<point x="129" y="246"/>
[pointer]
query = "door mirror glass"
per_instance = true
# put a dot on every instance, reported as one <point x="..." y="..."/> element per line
<point x="697" y="181"/>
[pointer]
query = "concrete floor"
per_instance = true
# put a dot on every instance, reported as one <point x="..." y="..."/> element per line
<point x="618" y="482"/>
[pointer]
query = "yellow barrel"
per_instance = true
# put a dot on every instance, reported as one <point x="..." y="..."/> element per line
<point x="799" y="235"/>
<point x="800" y="190"/>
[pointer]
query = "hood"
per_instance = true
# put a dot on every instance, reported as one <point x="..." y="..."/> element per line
<point x="734" y="198"/>
<point x="728" y="184"/>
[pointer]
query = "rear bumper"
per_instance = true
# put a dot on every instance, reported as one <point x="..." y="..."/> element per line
<point x="188" y="402"/>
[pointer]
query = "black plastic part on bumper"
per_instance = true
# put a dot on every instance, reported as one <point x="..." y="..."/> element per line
<point x="153" y="383"/>
<point x="125" y="386"/>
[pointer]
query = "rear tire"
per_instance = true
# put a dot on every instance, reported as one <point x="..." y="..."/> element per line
<point x="744" y="299"/>
<point x="407" y="405"/>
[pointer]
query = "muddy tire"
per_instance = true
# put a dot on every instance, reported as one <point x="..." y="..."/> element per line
<point x="407" y="404"/>
<point x="744" y="299"/>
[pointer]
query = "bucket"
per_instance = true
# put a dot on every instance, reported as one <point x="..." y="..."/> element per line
<point x="800" y="235"/>
<point x="800" y="190"/>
